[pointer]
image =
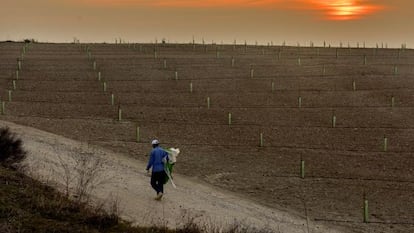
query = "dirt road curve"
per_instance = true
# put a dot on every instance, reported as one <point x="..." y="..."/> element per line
<point x="123" y="179"/>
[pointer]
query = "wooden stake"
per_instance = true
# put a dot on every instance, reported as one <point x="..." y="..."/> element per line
<point x="229" y="118"/>
<point x="366" y="212"/>
<point x="251" y="73"/>
<point x="261" y="140"/>
<point x="137" y="134"/>
<point x="191" y="87"/>
<point x="10" y="95"/>
<point x="385" y="144"/>
<point x="302" y="169"/>
<point x="119" y="113"/>
<point x="112" y="99"/>
<point x="19" y="64"/>
<point x="299" y="101"/>
<point x="208" y="102"/>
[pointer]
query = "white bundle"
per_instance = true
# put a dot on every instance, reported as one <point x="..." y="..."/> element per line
<point x="172" y="154"/>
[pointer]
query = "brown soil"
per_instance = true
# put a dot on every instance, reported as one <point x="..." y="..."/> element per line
<point x="121" y="180"/>
<point x="58" y="91"/>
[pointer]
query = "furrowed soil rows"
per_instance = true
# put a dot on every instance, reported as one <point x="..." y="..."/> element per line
<point x="290" y="95"/>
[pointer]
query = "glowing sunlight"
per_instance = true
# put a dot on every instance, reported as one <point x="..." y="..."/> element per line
<point x="346" y="9"/>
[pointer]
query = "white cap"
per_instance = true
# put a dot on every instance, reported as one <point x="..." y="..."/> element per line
<point x="155" y="142"/>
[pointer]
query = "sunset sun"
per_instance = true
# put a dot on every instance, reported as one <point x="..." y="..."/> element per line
<point x="346" y="9"/>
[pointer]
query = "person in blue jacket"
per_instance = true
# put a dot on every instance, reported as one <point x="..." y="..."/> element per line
<point x="157" y="160"/>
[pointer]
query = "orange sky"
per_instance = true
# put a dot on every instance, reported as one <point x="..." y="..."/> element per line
<point x="293" y="21"/>
<point x="330" y="9"/>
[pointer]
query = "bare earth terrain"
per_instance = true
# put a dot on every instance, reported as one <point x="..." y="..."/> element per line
<point x="123" y="179"/>
<point x="287" y="94"/>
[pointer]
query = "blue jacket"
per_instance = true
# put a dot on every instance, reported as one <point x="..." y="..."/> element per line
<point x="155" y="160"/>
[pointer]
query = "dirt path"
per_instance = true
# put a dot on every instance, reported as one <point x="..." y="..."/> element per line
<point x="123" y="179"/>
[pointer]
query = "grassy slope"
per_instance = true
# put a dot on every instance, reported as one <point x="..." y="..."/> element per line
<point x="26" y="205"/>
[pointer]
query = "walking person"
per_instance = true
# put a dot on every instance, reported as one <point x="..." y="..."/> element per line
<point x="156" y="161"/>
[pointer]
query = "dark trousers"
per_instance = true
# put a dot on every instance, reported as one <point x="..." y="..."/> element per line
<point x="158" y="180"/>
